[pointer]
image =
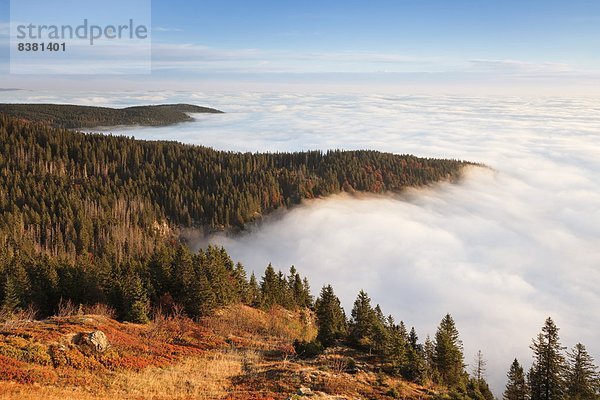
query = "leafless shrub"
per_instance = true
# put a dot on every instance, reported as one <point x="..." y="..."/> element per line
<point x="17" y="318"/>
<point x="100" y="309"/>
<point x="338" y="364"/>
<point x="175" y="325"/>
<point x="66" y="308"/>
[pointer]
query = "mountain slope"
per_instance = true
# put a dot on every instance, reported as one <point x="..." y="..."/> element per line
<point x="67" y="193"/>
<point x="75" y="116"/>
<point x="239" y="353"/>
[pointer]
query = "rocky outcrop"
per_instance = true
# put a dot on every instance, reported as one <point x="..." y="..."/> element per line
<point x="94" y="342"/>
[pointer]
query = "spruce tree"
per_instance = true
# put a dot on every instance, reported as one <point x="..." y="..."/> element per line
<point x="448" y="356"/>
<point x="415" y="368"/>
<point x="516" y="387"/>
<point x="478" y="390"/>
<point x="11" y="300"/>
<point x="201" y="299"/>
<point x="241" y="282"/>
<point x="205" y="294"/>
<point x="270" y="288"/>
<point x="254" y="295"/>
<point x="136" y="300"/>
<point x="429" y="354"/>
<point x="479" y="366"/>
<point x="396" y="348"/>
<point x="296" y="287"/>
<point x="307" y="296"/>
<point x="380" y="332"/>
<point x="330" y="317"/>
<point x="363" y="322"/>
<point x="219" y="271"/>
<point x="583" y="381"/>
<point x="546" y="376"/>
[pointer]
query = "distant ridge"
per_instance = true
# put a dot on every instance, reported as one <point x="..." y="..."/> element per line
<point x="75" y="116"/>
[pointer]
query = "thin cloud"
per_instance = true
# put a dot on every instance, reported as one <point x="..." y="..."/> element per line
<point x="517" y="66"/>
<point x="166" y="29"/>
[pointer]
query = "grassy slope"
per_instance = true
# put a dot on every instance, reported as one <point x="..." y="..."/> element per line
<point x="76" y="116"/>
<point x="240" y="353"/>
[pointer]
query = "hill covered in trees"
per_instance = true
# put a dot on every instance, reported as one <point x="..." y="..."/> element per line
<point x="66" y="193"/>
<point x="365" y="354"/>
<point x="74" y="116"/>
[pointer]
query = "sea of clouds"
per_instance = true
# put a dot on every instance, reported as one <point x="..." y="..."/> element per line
<point x="500" y="251"/>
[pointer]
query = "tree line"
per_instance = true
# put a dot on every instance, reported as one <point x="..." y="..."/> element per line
<point x="172" y="276"/>
<point x="69" y="194"/>
<point x="70" y="116"/>
<point x="554" y="374"/>
<point x="396" y="349"/>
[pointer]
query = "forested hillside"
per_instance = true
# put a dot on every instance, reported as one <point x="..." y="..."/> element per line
<point x="88" y="223"/>
<point x="74" y="116"/>
<point x="65" y="193"/>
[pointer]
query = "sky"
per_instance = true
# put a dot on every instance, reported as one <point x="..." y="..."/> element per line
<point x="511" y="84"/>
<point x="412" y="46"/>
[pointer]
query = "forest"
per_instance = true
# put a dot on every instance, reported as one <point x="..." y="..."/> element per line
<point x="74" y="116"/>
<point x="68" y="194"/>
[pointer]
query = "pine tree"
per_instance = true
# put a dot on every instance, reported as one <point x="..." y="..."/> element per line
<point x="11" y="300"/>
<point x="330" y="317"/>
<point x="254" y="295"/>
<point x="270" y="288"/>
<point x="184" y="277"/>
<point x="396" y="348"/>
<point x="478" y="390"/>
<point x="583" y="381"/>
<point x="516" y="388"/>
<point x="546" y="376"/>
<point x="204" y="294"/>
<point x="415" y="367"/>
<point x="284" y="295"/>
<point x="219" y="270"/>
<point x="306" y="295"/>
<point x="479" y="366"/>
<point x="448" y="357"/>
<point x="241" y="282"/>
<point x="429" y="354"/>
<point x="136" y="301"/>
<point x="363" y="321"/>
<point x="201" y="299"/>
<point x="296" y="288"/>
<point x="380" y="332"/>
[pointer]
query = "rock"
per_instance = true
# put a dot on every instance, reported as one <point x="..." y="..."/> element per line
<point x="95" y="341"/>
<point x="304" y="391"/>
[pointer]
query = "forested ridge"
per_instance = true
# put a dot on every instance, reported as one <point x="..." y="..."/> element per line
<point x="71" y="116"/>
<point x="65" y="193"/>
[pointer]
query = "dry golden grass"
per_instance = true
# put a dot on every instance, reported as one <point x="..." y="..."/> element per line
<point x="255" y="328"/>
<point x="208" y="377"/>
<point x="199" y="378"/>
<point x="240" y="353"/>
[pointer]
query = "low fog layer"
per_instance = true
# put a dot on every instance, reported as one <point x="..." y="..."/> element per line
<point x="500" y="251"/>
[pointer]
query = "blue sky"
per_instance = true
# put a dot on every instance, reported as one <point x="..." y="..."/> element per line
<point x="418" y="45"/>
